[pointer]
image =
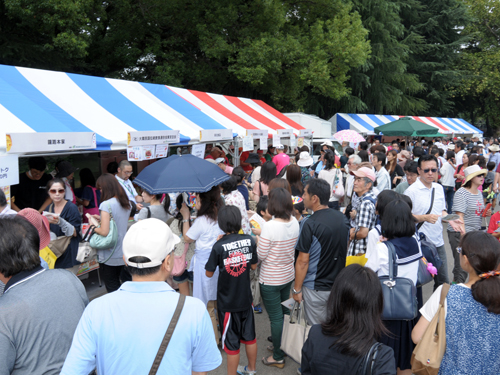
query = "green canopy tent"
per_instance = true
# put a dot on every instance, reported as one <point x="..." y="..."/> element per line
<point x="407" y="127"/>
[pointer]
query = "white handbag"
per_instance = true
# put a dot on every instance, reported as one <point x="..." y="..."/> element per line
<point x="295" y="332"/>
<point x="338" y="186"/>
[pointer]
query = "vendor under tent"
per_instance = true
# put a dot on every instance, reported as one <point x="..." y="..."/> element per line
<point x="365" y="123"/>
<point x="37" y="101"/>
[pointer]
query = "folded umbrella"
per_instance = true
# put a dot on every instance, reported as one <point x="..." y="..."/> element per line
<point x="178" y="174"/>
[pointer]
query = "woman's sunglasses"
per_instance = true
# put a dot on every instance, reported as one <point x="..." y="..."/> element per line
<point x="53" y="191"/>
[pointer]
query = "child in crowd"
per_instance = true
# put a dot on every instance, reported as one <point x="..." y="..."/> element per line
<point x="235" y="254"/>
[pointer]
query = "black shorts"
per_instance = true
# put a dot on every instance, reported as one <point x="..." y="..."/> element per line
<point x="236" y="327"/>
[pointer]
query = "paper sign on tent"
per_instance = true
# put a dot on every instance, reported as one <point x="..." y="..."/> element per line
<point x="276" y="140"/>
<point x="198" y="150"/>
<point x="248" y="143"/>
<point x="263" y="143"/>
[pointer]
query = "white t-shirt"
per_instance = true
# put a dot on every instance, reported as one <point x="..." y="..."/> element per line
<point x="458" y="157"/>
<point x="378" y="261"/>
<point x="447" y="172"/>
<point x="432" y="305"/>
<point x="383" y="179"/>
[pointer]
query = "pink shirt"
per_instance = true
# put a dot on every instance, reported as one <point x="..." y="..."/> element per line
<point x="281" y="160"/>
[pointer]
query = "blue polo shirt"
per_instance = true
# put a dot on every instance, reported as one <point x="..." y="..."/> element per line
<point x="121" y="332"/>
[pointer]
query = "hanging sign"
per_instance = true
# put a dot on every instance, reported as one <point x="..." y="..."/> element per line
<point x="276" y="140"/>
<point x="212" y="135"/>
<point x="198" y="150"/>
<point x="293" y="141"/>
<point x="134" y="153"/>
<point x="248" y="143"/>
<point x="161" y="151"/>
<point x="300" y="142"/>
<point x="6" y="191"/>
<point x="154" y="137"/>
<point x="285" y="133"/>
<point x="9" y="170"/>
<point x="263" y="143"/>
<point x="257" y="133"/>
<point x="47" y="142"/>
<point x="306" y="132"/>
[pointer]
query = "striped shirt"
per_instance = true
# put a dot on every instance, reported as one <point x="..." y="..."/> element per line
<point x="472" y="206"/>
<point x="276" y="250"/>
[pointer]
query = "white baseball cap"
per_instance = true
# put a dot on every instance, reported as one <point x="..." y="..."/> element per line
<point x="150" y="238"/>
<point x="219" y="160"/>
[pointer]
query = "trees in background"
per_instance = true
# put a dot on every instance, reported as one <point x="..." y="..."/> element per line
<point x="425" y="57"/>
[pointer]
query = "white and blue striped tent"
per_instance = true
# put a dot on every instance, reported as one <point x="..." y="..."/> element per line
<point x="365" y="124"/>
<point x="34" y="100"/>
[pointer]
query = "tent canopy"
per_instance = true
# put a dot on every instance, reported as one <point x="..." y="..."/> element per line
<point x="34" y="100"/>
<point x="366" y="123"/>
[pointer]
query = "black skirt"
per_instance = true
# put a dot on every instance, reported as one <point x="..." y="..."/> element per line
<point x="399" y="338"/>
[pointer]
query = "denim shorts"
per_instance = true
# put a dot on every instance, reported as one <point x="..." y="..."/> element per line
<point x="186" y="276"/>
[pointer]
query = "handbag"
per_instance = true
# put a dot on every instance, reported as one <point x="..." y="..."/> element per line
<point x="295" y="332"/>
<point x="338" y="187"/>
<point x="423" y="275"/>
<point x="168" y="335"/>
<point x="99" y="242"/>
<point x="59" y="245"/>
<point x="85" y="251"/>
<point x="429" y="251"/>
<point x="458" y="183"/>
<point x="428" y="354"/>
<point x="180" y="263"/>
<point x="400" y="293"/>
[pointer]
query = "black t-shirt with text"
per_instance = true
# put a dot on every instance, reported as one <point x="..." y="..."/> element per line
<point x="233" y="254"/>
<point x="30" y="193"/>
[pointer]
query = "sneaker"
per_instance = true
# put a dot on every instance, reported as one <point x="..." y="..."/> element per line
<point x="257" y="309"/>
<point x="243" y="370"/>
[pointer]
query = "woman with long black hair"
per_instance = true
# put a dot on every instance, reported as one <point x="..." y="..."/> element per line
<point x="260" y="187"/>
<point x="341" y="344"/>
<point x="204" y="230"/>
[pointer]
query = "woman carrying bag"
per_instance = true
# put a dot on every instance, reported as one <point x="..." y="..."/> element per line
<point x="260" y="187"/>
<point x="398" y="227"/>
<point x="65" y="223"/>
<point x="347" y="340"/>
<point x="114" y="206"/>
<point x="156" y="209"/>
<point x="395" y="170"/>
<point x="472" y="311"/>
<point x="333" y="176"/>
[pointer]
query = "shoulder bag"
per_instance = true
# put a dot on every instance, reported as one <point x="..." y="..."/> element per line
<point x="58" y="245"/>
<point x="168" y="335"/>
<point x="428" y="354"/>
<point x="400" y="293"/>
<point x="458" y="183"/>
<point x="369" y="360"/>
<point x="99" y="242"/>
<point x="419" y="225"/>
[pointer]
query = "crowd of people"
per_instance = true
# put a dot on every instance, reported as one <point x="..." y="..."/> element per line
<point x="188" y="271"/>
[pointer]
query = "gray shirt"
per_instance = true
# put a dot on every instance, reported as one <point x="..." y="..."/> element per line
<point x="157" y="212"/>
<point x="38" y="317"/>
<point x="120" y="216"/>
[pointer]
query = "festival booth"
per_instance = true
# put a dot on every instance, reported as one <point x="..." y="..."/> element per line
<point x="365" y="124"/>
<point x="92" y="121"/>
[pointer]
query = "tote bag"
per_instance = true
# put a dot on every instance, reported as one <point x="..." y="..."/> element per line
<point x="428" y="354"/>
<point x="338" y="187"/>
<point x="295" y="332"/>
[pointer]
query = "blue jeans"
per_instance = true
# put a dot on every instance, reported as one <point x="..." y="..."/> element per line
<point x="449" y="193"/>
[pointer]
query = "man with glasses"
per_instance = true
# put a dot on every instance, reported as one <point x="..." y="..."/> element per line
<point x="31" y="192"/>
<point x="123" y="177"/>
<point x="365" y="217"/>
<point x="352" y="165"/>
<point x="430" y="211"/>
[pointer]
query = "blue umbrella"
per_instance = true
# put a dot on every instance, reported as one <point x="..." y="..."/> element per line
<point x="177" y="174"/>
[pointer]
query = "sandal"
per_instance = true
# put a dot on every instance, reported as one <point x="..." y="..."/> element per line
<point x="278" y="364"/>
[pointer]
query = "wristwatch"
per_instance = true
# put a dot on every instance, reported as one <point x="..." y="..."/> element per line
<point x="296" y="291"/>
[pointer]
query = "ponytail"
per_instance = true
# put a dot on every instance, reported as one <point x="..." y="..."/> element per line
<point x="485" y="260"/>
